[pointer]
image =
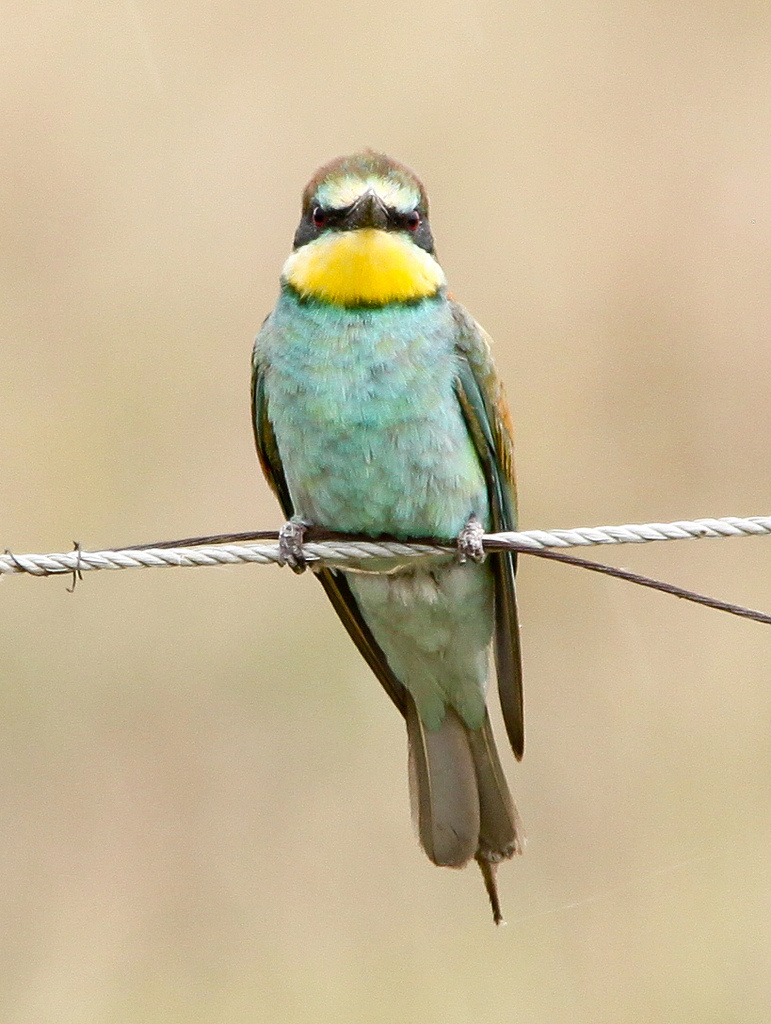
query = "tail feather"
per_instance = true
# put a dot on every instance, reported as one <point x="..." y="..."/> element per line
<point x="460" y="799"/>
<point x="443" y="788"/>
<point x="500" y="830"/>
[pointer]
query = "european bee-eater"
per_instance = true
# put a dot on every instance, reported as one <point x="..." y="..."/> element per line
<point x="377" y="410"/>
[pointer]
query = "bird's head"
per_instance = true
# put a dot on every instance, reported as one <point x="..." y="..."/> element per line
<point x="364" y="237"/>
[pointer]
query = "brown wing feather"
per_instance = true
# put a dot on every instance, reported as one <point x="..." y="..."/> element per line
<point x="265" y="440"/>
<point x="482" y="400"/>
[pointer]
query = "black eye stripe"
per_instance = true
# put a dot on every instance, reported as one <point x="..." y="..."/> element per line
<point x="318" y="219"/>
<point x="336" y="215"/>
<point x="331" y="217"/>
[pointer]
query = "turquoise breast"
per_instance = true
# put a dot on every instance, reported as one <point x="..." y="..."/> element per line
<point x="367" y="423"/>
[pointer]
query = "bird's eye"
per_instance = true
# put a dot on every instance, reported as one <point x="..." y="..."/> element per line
<point x="319" y="217"/>
<point x="412" y="220"/>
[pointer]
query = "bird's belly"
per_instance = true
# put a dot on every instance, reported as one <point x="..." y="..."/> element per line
<point x="434" y="627"/>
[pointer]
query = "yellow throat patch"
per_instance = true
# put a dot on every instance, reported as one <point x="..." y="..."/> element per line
<point x="363" y="267"/>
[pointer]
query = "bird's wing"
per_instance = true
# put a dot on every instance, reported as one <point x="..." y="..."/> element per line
<point x="265" y="439"/>
<point x="482" y="400"/>
<point x="333" y="582"/>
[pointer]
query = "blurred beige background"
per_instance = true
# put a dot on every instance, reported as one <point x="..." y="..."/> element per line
<point x="203" y="809"/>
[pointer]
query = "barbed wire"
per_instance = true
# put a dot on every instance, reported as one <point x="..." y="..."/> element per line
<point x="328" y="548"/>
<point x="324" y="547"/>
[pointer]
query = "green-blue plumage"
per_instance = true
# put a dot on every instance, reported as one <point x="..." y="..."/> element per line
<point x="369" y="430"/>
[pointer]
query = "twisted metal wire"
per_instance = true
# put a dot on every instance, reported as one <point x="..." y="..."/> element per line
<point x="339" y="552"/>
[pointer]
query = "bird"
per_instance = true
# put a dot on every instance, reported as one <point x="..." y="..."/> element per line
<point x="377" y="411"/>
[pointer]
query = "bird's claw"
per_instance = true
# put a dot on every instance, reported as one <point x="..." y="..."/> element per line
<point x="291" y="537"/>
<point x="470" y="541"/>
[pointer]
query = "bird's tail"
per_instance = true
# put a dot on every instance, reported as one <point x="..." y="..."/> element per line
<point x="461" y="802"/>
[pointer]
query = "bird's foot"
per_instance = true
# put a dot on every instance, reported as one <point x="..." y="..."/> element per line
<point x="291" y="538"/>
<point x="470" y="541"/>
